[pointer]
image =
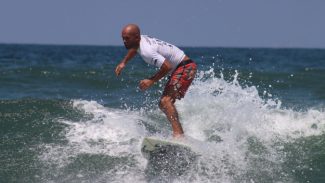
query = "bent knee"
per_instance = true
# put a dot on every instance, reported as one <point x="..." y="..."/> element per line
<point x="165" y="101"/>
<point x="162" y="103"/>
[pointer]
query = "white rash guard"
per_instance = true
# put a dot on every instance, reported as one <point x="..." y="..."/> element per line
<point x="155" y="52"/>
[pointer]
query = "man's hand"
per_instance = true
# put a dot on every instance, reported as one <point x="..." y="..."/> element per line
<point x="131" y="53"/>
<point x="119" y="68"/>
<point x="145" y="84"/>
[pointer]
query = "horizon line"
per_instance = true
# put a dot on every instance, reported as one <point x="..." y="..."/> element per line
<point x="181" y="46"/>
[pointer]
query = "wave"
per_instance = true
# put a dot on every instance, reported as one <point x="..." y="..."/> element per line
<point x="241" y="137"/>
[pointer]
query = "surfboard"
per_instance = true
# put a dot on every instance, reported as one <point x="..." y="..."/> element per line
<point x="153" y="145"/>
<point x="167" y="157"/>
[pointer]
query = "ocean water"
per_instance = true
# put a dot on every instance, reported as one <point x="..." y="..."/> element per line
<point x="257" y="115"/>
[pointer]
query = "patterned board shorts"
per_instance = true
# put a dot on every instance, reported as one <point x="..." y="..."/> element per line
<point x="181" y="79"/>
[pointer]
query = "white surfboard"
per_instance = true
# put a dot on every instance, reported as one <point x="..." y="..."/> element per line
<point x="153" y="145"/>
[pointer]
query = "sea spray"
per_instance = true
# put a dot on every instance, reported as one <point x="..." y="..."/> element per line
<point x="248" y="132"/>
<point x="240" y="136"/>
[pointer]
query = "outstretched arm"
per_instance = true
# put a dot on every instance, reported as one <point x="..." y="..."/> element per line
<point x="130" y="54"/>
<point x="163" y="71"/>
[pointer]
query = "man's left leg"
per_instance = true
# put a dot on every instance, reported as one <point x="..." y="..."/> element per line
<point x="176" y="88"/>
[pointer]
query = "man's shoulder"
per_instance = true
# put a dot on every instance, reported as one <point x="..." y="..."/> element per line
<point x="146" y="46"/>
<point x="145" y="39"/>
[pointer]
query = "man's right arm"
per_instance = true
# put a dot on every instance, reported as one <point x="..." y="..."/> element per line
<point x="130" y="54"/>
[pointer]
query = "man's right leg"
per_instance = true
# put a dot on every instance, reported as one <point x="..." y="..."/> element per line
<point x="168" y="107"/>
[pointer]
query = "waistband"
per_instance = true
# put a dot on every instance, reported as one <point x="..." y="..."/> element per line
<point x="185" y="62"/>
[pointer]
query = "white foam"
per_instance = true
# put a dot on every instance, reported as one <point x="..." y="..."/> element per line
<point x="222" y="115"/>
<point x="215" y="104"/>
<point x="230" y="115"/>
<point x="115" y="128"/>
<point x="106" y="131"/>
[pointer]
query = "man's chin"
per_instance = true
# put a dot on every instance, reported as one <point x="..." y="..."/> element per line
<point x="129" y="47"/>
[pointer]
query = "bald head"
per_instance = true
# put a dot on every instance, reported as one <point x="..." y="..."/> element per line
<point x="131" y="36"/>
<point x="131" y="29"/>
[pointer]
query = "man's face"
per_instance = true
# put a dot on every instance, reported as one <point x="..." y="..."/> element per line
<point x="130" y="40"/>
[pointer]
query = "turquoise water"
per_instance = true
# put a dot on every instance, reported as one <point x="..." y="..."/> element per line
<point x="258" y="115"/>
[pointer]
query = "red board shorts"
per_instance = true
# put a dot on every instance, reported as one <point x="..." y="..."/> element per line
<point x="181" y="79"/>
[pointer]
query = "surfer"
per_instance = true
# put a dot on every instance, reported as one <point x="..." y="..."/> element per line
<point x="171" y="61"/>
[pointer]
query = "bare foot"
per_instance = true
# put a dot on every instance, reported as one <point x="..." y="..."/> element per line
<point x="178" y="136"/>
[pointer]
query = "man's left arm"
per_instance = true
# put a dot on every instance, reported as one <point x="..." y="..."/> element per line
<point x="163" y="71"/>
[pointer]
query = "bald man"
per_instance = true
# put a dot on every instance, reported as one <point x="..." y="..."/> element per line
<point x="171" y="61"/>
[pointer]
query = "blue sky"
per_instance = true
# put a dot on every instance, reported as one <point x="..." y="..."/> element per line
<point x="225" y="23"/>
